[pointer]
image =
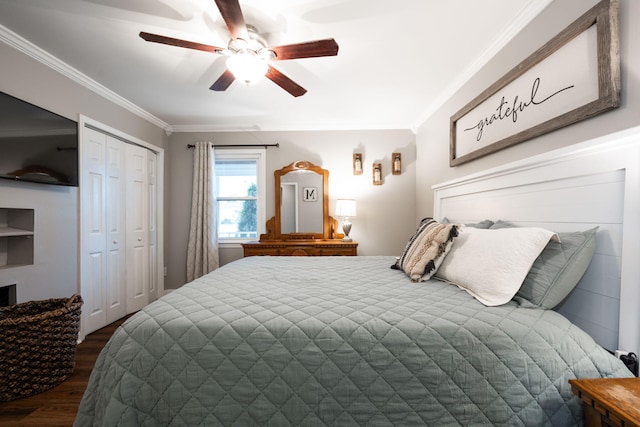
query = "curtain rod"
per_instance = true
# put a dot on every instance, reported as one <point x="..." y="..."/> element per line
<point x="238" y="145"/>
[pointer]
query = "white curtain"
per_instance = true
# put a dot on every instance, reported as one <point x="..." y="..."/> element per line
<point x="202" y="251"/>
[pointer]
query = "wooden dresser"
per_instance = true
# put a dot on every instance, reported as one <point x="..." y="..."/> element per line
<point x="609" y="401"/>
<point x="309" y="229"/>
<point x="316" y="247"/>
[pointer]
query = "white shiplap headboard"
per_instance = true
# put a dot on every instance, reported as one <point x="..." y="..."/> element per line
<point x="594" y="183"/>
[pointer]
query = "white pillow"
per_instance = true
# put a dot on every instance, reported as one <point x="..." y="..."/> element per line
<point x="492" y="264"/>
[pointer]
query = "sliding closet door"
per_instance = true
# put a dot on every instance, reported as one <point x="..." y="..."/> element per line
<point x="137" y="228"/>
<point x="120" y="241"/>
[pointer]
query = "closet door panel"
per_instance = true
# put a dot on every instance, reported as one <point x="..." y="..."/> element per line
<point x="153" y="220"/>
<point x="93" y="257"/>
<point x="137" y="228"/>
<point x="116" y="207"/>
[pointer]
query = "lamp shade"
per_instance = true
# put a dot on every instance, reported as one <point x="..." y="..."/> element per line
<point x="247" y="67"/>
<point x="346" y="208"/>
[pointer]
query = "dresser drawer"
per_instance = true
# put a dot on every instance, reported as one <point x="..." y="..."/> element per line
<point x="301" y="248"/>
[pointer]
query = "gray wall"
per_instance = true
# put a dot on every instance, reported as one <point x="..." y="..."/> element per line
<point x="54" y="273"/>
<point x="385" y="219"/>
<point x="432" y="139"/>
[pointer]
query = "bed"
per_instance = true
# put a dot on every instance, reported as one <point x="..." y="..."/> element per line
<point x="350" y="341"/>
<point x="338" y="341"/>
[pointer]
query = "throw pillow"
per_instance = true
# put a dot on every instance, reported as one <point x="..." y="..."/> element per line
<point x="426" y="249"/>
<point x="492" y="264"/>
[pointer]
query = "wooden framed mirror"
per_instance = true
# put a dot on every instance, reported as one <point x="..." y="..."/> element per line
<point x="301" y="203"/>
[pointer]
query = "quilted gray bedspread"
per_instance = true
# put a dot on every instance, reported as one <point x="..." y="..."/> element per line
<point x="338" y="341"/>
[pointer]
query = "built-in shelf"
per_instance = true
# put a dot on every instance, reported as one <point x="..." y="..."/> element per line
<point x="11" y="231"/>
<point x="16" y="237"/>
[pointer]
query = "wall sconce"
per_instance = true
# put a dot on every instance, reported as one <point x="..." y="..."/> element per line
<point x="396" y="164"/>
<point x="377" y="174"/>
<point x="357" y="163"/>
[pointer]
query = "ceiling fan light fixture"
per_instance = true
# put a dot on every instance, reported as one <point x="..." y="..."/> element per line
<point x="247" y="67"/>
<point x="248" y="54"/>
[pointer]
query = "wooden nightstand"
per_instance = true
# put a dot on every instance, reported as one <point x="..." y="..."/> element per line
<point x="609" y="401"/>
<point x="327" y="247"/>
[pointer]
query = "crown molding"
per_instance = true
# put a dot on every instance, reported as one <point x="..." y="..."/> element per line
<point x="290" y="127"/>
<point x="527" y="15"/>
<point x="26" y="47"/>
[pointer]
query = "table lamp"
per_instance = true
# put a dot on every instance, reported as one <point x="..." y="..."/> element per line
<point x="346" y="208"/>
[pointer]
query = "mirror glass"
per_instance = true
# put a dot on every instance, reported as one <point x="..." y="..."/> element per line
<point x="301" y="196"/>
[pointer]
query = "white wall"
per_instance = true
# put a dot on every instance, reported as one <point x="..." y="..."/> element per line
<point x="55" y="246"/>
<point x="54" y="273"/>
<point x="432" y="139"/>
<point x="385" y="219"/>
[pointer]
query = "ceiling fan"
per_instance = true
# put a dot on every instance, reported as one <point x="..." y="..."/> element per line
<point x="248" y="55"/>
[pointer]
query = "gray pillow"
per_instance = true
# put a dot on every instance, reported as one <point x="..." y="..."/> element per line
<point x="487" y="223"/>
<point x="558" y="269"/>
<point x="501" y="224"/>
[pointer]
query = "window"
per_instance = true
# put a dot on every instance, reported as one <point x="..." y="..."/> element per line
<point x="240" y="195"/>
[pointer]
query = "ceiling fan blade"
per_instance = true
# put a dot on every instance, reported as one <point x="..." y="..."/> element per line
<point x="313" y="49"/>
<point x="232" y="15"/>
<point x="155" y="38"/>
<point x="285" y="82"/>
<point x="223" y="82"/>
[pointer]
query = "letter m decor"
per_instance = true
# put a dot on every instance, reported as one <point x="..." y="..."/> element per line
<point x="574" y="76"/>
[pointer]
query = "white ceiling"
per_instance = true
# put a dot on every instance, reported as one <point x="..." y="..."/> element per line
<point x="398" y="60"/>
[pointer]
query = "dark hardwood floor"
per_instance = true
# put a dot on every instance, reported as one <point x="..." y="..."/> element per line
<point x="58" y="407"/>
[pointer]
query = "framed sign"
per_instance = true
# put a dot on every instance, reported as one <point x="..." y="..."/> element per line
<point x="310" y="194"/>
<point x="574" y="76"/>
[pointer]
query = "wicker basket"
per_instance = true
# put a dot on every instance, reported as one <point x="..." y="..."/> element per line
<point x="38" y="342"/>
